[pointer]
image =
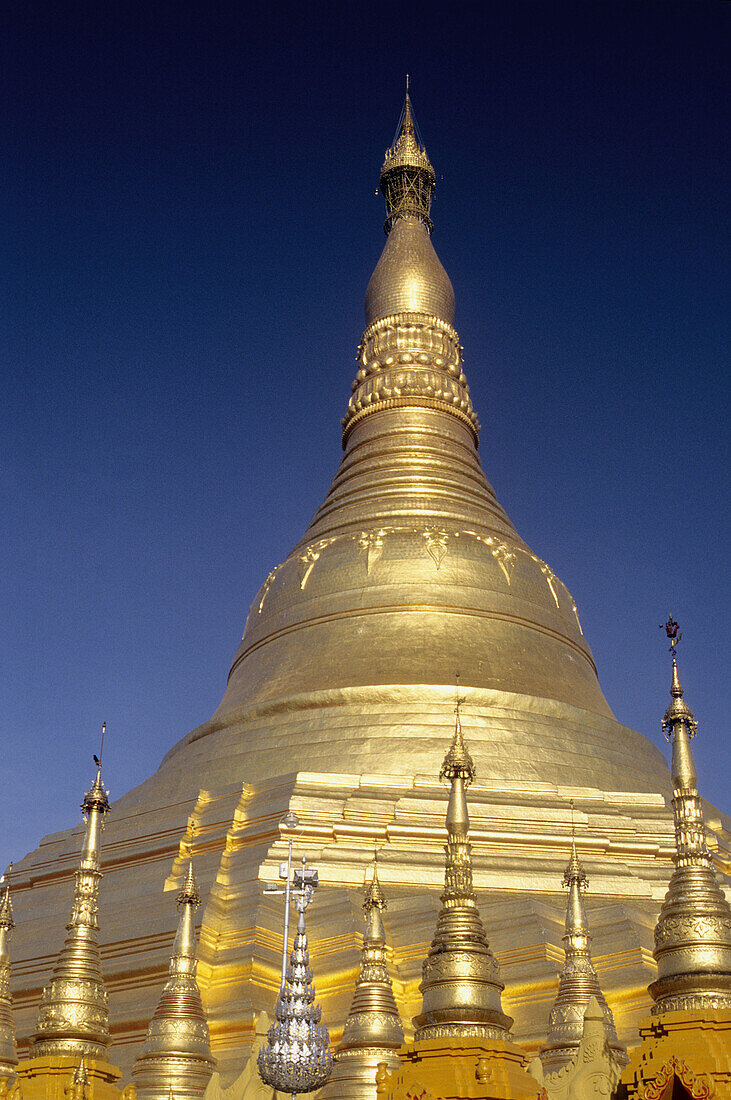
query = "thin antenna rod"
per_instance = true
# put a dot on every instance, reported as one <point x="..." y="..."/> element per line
<point x="101" y="747"/>
<point x="460" y="699"/>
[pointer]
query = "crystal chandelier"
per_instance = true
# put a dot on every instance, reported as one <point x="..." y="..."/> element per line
<point x="296" y="1056"/>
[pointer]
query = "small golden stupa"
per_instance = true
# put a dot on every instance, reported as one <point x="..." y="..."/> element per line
<point x="8" y="1052"/>
<point x="685" y="1047"/>
<point x="71" y="1036"/>
<point x="373" y="1032"/>
<point x="177" y="1050"/>
<point x="461" y="985"/>
<point x="73" y="1018"/>
<point x="578" y="981"/>
<point x="693" y="933"/>
<point x="462" y="1041"/>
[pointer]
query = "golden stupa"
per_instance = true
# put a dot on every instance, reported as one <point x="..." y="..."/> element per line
<point x="337" y="704"/>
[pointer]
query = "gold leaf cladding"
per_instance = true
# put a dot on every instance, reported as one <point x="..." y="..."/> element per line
<point x="692" y="928"/>
<point x="551" y="579"/>
<point x="310" y="558"/>
<point x="504" y="556"/>
<point x="437" y="542"/>
<point x="370" y="544"/>
<point x="266" y="586"/>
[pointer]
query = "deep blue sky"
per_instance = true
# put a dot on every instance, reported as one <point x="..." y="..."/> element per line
<point x="190" y="223"/>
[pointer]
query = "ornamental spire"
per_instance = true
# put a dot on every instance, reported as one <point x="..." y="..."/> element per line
<point x="73" y="1018"/>
<point x="410" y="356"/>
<point x="79" y="1083"/>
<point x="461" y="983"/>
<point x="177" y="1051"/>
<point x="693" y="932"/>
<point x="296" y="1056"/>
<point x="578" y="981"/>
<point x="8" y="1052"/>
<point x="373" y="1031"/>
<point x="407" y="177"/>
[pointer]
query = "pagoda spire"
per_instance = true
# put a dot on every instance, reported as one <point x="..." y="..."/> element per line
<point x="407" y="176"/>
<point x="461" y="983"/>
<point x="578" y="981"/>
<point x="73" y="1018"/>
<point x="177" y="1051"/>
<point x="410" y="356"/>
<point x="8" y="1052"/>
<point x="693" y="932"/>
<point x="373" y="1032"/>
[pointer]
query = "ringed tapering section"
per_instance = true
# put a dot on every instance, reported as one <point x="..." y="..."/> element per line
<point x="693" y="932"/>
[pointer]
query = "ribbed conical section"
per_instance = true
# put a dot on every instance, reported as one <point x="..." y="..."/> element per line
<point x="73" y="1018"/>
<point x="693" y="932"/>
<point x="177" y="1050"/>
<point x="373" y="1032"/>
<point x="8" y="1051"/>
<point x="461" y="984"/>
<point x="578" y="982"/>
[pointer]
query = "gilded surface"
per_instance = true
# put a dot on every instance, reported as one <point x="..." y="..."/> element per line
<point x="684" y="1053"/>
<point x="458" y="1069"/>
<point x="70" y="1077"/>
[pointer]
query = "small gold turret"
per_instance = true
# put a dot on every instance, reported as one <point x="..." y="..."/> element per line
<point x="578" y="981"/>
<point x="693" y="932"/>
<point x="8" y="1052"/>
<point x="177" y="1051"/>
<point x="373" y="1031"/>
<point x="461" y="983"/>
<point x="78" y="1089"/>
<point x="73" y="1018"/>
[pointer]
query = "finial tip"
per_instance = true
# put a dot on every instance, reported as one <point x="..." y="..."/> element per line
<point x="189" y="892"/>
<point x="374" y="898"/>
